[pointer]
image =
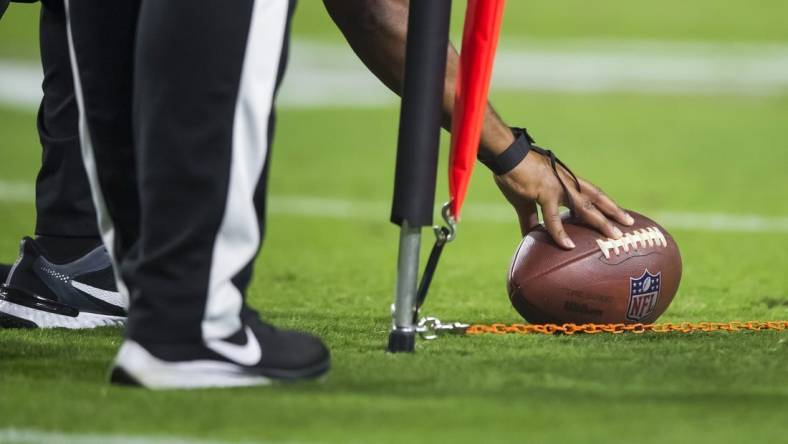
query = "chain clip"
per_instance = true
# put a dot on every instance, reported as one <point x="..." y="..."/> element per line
<point x="430" y="327"/>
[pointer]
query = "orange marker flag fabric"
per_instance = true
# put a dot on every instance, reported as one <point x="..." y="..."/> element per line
<point x="479" y="42"/>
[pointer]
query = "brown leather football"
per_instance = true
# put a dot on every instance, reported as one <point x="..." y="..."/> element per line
<point x="630" y="280"/>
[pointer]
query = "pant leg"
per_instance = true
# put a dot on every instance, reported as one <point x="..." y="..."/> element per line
<point x="205" y="80"/>
<point x="101" y="38"/>
<point x="63" y="204"/>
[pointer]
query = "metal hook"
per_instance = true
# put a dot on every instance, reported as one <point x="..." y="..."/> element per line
<point x="449" y="232"/>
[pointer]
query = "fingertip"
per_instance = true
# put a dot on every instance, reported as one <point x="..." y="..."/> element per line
<point x="568" y="243"/>
<point x="628" y="219"/>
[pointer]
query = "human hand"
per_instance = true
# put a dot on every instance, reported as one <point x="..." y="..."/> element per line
<point x="535" y="181"/>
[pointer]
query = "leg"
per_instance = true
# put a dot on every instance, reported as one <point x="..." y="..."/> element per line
<point x="202" y="126"/>
<point x="203" y="140"/>
<point x="66" y="263"/>
<point x="63" y="203"/>
<point x="101" y="38"/>
<point x="65" y="219"/>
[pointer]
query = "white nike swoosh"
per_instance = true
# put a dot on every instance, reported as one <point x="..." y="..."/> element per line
<point x="247" y="354"/>
<point x="110" y="297"/>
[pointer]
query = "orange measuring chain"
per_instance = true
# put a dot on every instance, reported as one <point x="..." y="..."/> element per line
<point x="570" y="329"/>
<point x="430" y="327"/>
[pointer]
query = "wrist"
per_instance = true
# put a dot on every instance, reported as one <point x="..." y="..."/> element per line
<point x="497" y="143"/>
<point x="503" y="161"/>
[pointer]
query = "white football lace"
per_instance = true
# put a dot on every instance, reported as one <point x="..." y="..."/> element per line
<point x="645" y="238"/>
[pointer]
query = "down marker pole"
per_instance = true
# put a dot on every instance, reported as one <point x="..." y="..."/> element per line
<point x="417" y="155"/>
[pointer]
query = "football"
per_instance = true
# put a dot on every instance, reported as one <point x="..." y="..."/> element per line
<point x="629" y="280"/>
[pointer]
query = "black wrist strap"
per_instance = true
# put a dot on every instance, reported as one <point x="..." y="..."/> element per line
<point x="512" y="156"/>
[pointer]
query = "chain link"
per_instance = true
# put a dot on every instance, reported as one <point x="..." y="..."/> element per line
<point x="430" y="327"/>
<point x="570" y="329"/>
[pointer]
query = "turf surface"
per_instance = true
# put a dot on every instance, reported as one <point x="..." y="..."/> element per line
<point x="334" y="277"/>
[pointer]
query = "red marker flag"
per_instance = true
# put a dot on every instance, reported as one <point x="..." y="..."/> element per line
<point x="479" y="41"/>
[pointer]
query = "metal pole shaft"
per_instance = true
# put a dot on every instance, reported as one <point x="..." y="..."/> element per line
<point x="407" y="276"/>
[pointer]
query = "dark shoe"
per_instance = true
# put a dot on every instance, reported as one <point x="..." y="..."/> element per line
<point x="258" y="354"/>
<point x="78" y="294"/>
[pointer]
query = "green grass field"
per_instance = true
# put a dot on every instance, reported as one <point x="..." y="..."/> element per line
<point x="334" y="276"/>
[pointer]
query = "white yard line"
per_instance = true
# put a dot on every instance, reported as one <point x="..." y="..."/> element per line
<point x="16" y="192"/>
<point x="502" y="213"/>
<point x="20" y="85"/>
<point x="32" y="436"/>
<point x="334" y="208"/>
<point x="330" y="75"/>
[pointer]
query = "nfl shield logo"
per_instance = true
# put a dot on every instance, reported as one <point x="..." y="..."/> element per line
<point x="643" y="294"/>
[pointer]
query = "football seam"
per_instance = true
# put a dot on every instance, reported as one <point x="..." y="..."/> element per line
<point x="514" y="260"/>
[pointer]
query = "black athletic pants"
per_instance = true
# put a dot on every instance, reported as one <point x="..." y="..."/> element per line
<point x="176" y="118"/>
<point x="63" y="204"/>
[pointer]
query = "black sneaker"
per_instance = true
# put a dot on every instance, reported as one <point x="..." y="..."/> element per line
<point x="78" y="294"/>
<point x="258" y="354"/>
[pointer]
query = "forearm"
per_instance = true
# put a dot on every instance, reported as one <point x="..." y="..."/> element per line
<point x="377" y="32"/>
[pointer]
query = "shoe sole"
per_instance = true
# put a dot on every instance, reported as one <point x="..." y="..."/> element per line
<point x="135" y="366"/>
<point x="18" y="316"/>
